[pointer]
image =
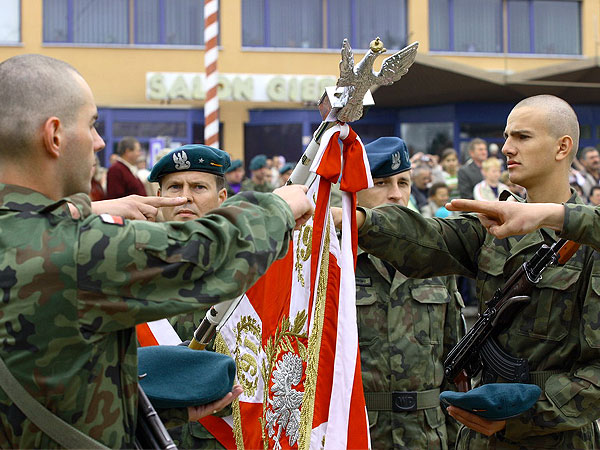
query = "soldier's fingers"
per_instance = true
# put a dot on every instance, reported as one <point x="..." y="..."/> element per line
<point x="488" y="208"/>
<point x="159" y="202"/>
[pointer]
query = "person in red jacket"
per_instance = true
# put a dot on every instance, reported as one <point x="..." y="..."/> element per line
<point x="122" y="179"/>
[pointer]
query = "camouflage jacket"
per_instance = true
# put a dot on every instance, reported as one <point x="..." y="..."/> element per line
<point x="72" y="291"/>
<point x="249" y="185"/>
<point x="557" y="331"/>
<point x="406" y="326"/>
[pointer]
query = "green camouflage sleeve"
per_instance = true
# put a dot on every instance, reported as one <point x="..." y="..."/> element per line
<point x="143" y="271"/>
<point x="420" y="247"/>
<point x="582" y="224"/>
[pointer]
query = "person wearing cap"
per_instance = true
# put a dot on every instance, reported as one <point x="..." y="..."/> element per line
<point x="202" y="183"/>
<point x="406" y="326"/>
<point x="286" y="172"/>
<point x="557" y="331"/>
<point x="234" y="176"/>
<point x="258" y="180"/>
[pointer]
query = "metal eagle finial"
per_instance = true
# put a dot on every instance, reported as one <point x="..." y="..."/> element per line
<point x="358" y="79"/>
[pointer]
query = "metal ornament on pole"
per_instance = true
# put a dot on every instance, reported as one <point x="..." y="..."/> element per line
<point x="346" y="102"/>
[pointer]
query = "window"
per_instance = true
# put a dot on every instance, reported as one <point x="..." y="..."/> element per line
<point x="358" y="20"/>
<point x="551" y="27"/>
<point x="148" y="22"/>
<point x="465" y="25"/>
<point x="547" y="27"/>
<point x="323" y="23"/>
<point x="429" y="137"/>
<point x="10" y="22"/>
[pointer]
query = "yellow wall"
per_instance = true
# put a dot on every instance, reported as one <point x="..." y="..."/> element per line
<point x="117" y="75"/>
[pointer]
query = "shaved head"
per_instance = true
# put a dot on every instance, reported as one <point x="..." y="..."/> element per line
<point x="561" y="120"/>
<point x="34" y="88"/>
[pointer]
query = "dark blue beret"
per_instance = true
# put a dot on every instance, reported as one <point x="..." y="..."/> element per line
<point x="258" y="162"/>
<point x="286" y="167"/>
<point x="193" y="157"/>
<point x="177" y="376"/>
<point x="235" y="164"/>
<point x="387" y="156"/>
<point x="495" y="401"/>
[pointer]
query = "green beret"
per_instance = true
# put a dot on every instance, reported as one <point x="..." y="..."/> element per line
<point x="286" y="167"/>
<point x="495" y="401"/>
<point x="387" y="156"/>
<point x="235" y="164"/>
<point x="193" y="157"/>
<point x="175" y="376"/>
<point x="258" y="162"/>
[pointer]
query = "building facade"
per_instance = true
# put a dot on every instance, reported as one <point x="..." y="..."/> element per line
<point x="144" y="60"/>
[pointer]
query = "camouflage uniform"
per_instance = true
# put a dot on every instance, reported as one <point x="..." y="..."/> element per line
<point x="558" y="332"/>
<point x="249" y="185"/>
<point x="406" y="327"/>
<point x="73" y="290"/>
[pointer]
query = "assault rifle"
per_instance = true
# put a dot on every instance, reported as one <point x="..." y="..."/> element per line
<point x="478" y="348"/>
<point x="150" y="431"/>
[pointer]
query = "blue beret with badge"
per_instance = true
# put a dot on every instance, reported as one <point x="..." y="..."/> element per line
<point x="193" y="157"/>
<point x="175" y="376"/>
<point x="495" y="401"/>
<point x="235" y="164"/>
<point x="258" y="162"/>
<point x="387" y="156"/>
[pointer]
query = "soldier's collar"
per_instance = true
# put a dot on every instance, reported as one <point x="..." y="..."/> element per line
<point x="22" y="199"/>
<point x="507" y="195"/>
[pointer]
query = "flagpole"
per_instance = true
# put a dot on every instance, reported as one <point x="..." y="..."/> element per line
<point x="211" y="53"/>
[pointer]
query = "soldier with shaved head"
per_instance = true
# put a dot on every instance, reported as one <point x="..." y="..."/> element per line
<point x="557" y="331"/>
<point x="74" y="284"/>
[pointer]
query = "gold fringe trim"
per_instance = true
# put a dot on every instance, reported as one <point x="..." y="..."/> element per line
<point x="221" y="347"/>
<point x="314" y="345"/>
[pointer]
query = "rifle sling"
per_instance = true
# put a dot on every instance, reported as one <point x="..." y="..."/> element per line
<point x="52" y="425"/>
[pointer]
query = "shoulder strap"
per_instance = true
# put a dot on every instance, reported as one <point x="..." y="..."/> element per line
<point x="59" y="430"/>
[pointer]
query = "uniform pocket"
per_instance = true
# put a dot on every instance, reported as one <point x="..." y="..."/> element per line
<point x="429" y="312"/>
<point x="591" y="309"/>
<point x="548" y="315"/>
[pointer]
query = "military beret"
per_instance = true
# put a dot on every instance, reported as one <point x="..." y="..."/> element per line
<point x="235" y="164"/>
<point x="495" y="401"/>
<point x="193" y="157"/>
<point x="175" y="376"/>
<point x="286" y="167"/>
<point x="387" y="156"/>
<point x="258" y="162"/>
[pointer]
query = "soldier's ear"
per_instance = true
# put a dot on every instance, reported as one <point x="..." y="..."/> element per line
<point x="52" y="136"/>
<point x="222" y="196"/>
<point x="565" y="146"/>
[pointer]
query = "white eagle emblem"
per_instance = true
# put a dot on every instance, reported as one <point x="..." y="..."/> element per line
<point x="396" y="160"/>
<point x="284" y="409"/>
<point x="181" y="161"/>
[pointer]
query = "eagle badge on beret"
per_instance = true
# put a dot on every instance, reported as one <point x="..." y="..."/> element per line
<point x="181" y="161"/>
<point x="396" y="160"/>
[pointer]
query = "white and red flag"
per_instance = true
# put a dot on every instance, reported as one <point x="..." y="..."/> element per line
<point x="294" y="336"/>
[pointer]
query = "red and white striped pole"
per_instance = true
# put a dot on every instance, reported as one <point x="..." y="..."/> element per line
<point x="211" y="52"/>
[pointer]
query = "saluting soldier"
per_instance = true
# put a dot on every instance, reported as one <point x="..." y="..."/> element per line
<point x="557" y="331"/>
<point x="74" y="285"/>
<point x="406" y="327"/>
<point x="202" y="184"/>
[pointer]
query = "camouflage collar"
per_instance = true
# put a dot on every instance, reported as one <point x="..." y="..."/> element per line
<point x="19" y="198"/>
<point x="505" y="195"/>
<point x="514" y="245"/>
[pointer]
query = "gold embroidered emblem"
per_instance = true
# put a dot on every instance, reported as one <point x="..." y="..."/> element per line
<point x="248" y="335"/>
<point x="281" y="405"/>
<point x="303" y="253"/>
